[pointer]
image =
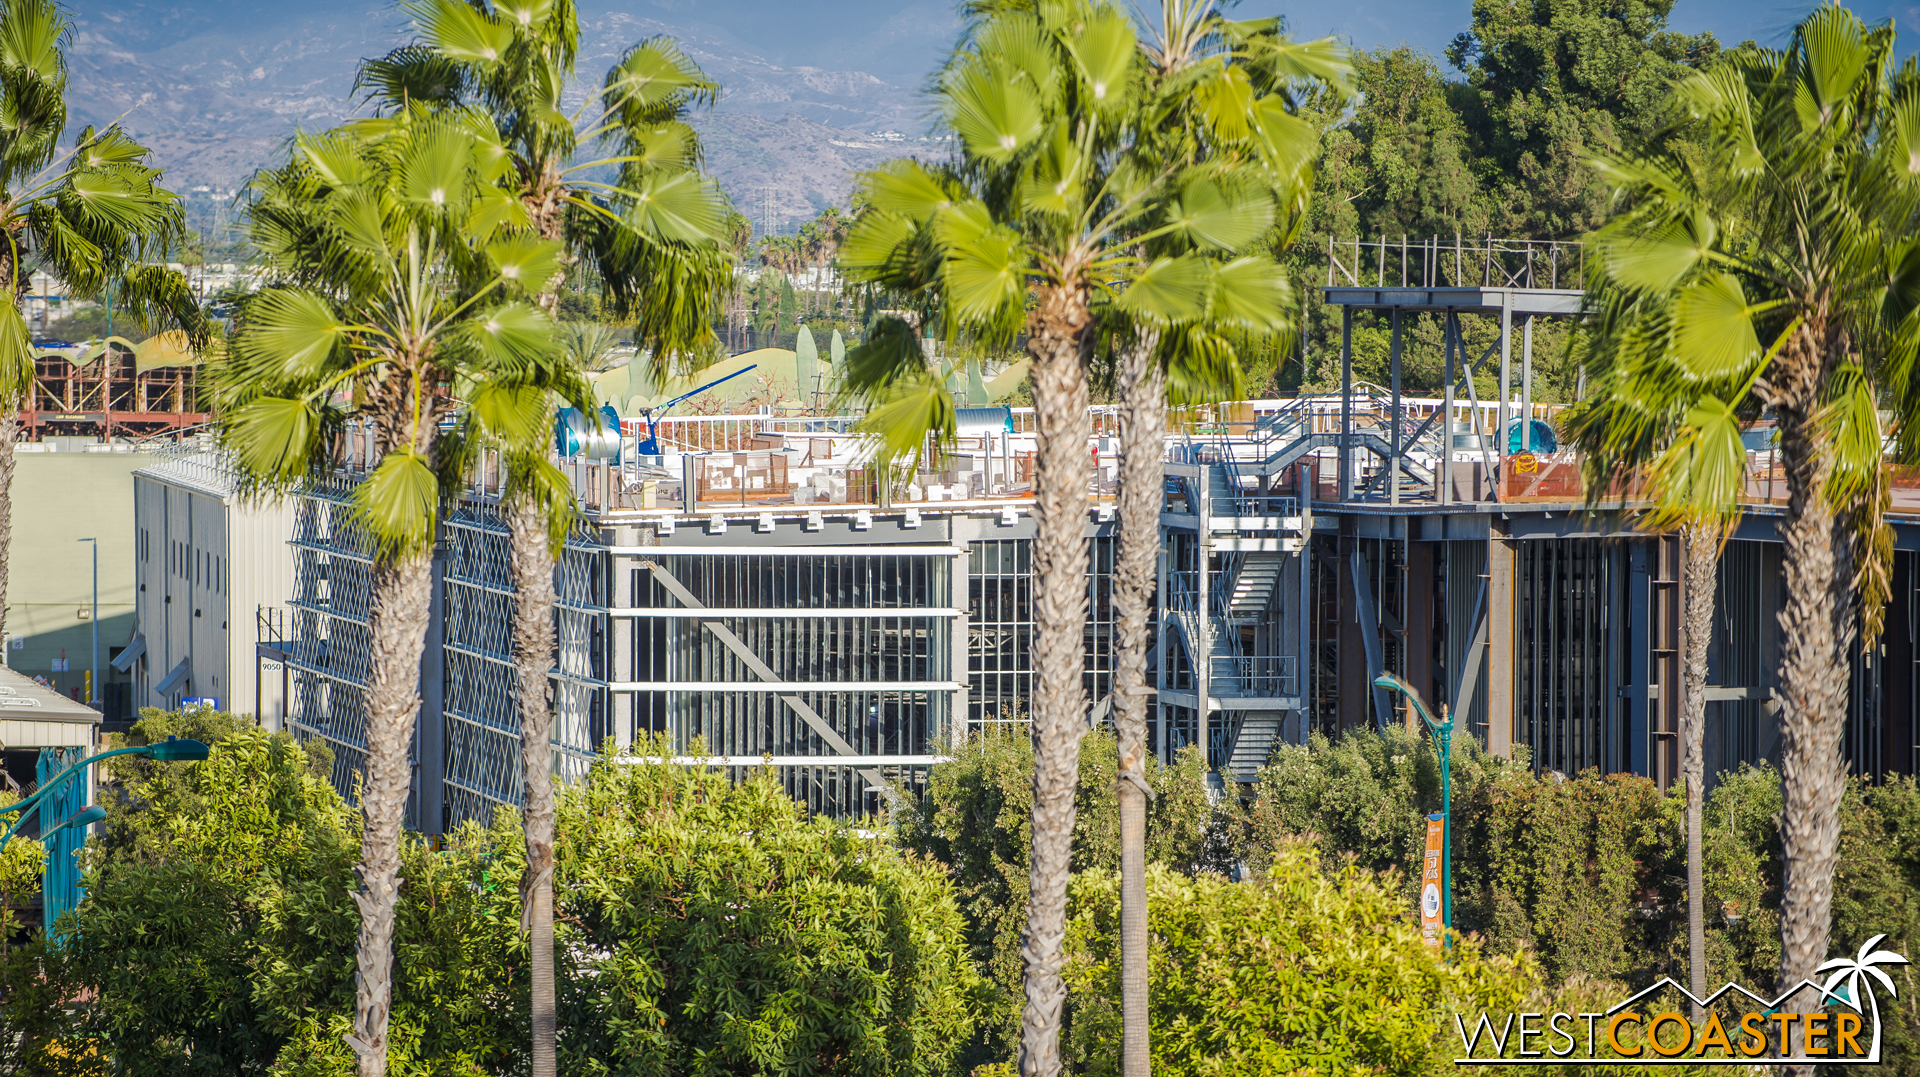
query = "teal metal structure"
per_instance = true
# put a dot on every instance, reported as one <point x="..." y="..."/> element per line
<point x="60" y="888"/>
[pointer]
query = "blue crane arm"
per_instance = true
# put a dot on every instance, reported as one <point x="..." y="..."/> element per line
<point x="652" y="446"/>
<point x="702" y="389"/>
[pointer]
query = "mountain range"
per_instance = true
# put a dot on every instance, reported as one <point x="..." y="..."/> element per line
<point x="813" y="92"/>
<point x="216" y="87"/>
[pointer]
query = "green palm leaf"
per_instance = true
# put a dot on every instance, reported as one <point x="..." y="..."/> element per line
<point x="291" y="336"/>
<point x="526" y="261"/>
<point x="1714" y="327"/>
<point x="1226" y="103"/>
<point x="1703" y="473"/>
<point x="399" y="503"/>
<point x="338" y="159"/>
<point x="461" y="32"/>
<point x="654" y="80"/>
<point x="514" y="414"/>
<point x="986" y="268"/>
<point x="1108" y="54"/>
<point x="683" y="207"/>
<point x="273" y="439"/>
<point x="513" y="336"/>
<point x="495" y="210"/>
<point x="908" y="189"/>
<point x="434" y="169"/>
<point x="1211" y="218"/>
<point x="1657" y="259"/>
<point x="996" y="115"/>
<point x="1170" y="291"/>
<point x="1252" y="294"/>
<point x="1852" y="422"/>
<point x="16" y="355"/>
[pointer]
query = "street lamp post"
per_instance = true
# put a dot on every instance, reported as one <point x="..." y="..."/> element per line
<point x="173" y="749"/>
<point x="1443" y="740"/>
<point x="93" y="616"/>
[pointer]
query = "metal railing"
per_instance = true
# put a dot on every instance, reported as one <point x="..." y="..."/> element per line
<point x="1456" y="262"/>
<point x="1243" y="676"/>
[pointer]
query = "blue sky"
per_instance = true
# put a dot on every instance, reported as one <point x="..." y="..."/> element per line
<point x="841" y="34"/>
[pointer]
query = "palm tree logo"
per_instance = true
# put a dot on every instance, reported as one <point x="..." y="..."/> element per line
<point x="1855" y="972"/>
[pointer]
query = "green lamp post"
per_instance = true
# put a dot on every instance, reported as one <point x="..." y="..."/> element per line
<point x="173" y="749"/>
<point x="1443" y="740"/>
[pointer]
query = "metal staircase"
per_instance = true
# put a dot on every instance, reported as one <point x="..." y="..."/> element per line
<point x="1253" y="587"/>
<point x="1253" y="742"/>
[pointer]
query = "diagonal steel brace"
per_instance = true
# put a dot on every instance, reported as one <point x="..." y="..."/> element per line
<point x="765" y="672"/>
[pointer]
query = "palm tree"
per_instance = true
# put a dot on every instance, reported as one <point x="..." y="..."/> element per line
<point x="1702" y="541"/>
<point x="831" y="231"/>
<point x="93" y="214"/>
<point x="512" y="408"/>
<point x="384" y="293"/>
<point x="1798" y="230"/>
<point x="739" y="233"/>
<point x="1702" y="518"/>
<point x="1195" y="58"/>
<point x="658" y="237"/>
<point x="1051" y="217"/>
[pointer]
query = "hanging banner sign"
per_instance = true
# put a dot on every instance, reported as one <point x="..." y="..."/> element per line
<point x="1430" y="882"/>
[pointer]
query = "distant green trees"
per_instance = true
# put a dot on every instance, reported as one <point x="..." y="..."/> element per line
<point x="1504" y="150"/>
<point x="1492" y="138"/>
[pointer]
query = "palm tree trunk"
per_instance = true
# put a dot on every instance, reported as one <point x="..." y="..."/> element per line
<point x="531" y="562"/>
<point x="397" y="624"/>
<point x="1702" y="544"/>
<point x="9" y="429"/>
<point x="1058" y="330"/>
<point x="1143" y="418"/>
<point x="533" y="643"/>
<point x="1816" y="624"/>
<point x="21" y="394"/>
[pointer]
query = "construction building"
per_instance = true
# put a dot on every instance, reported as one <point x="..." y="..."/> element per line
<point x="752" y="594"/>
<point x="115" y="389"/>
<point x="212" y="573"/>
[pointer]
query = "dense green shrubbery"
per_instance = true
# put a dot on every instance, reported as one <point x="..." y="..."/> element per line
<point x="1580" y="879"/>
<point x="711" y="928"/>
<point x="218" y="932"/>
<point x="1560" y="866"/>
<point x="1291" y="971"/>
<point x="1588" y="872"/>
<point x="977" y="820"/>
<point x="708" y="926"/>
<point x="705" y="926"/>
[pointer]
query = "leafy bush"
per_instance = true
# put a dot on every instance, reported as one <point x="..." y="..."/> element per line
<point x="705" y="927"/>
<point x="1366" y="797"/>
<point x="1876" y="888"/>
<point x="709" y="927"/>
<point x="1587" y="874"/>
<point x="1581" y="871"/>
<point x="1555" y="865"/>
<point x="977" y="819"/>
<point x="1293" y="971"/>
<point x="217" y="935"/>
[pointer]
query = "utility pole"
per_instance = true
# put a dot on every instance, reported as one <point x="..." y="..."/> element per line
<point x="93" y="618"/>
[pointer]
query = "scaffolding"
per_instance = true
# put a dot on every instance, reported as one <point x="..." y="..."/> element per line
<point x="110" y="395"/>
<point x="330" y="654"/>
<point x="846" y="641"/>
